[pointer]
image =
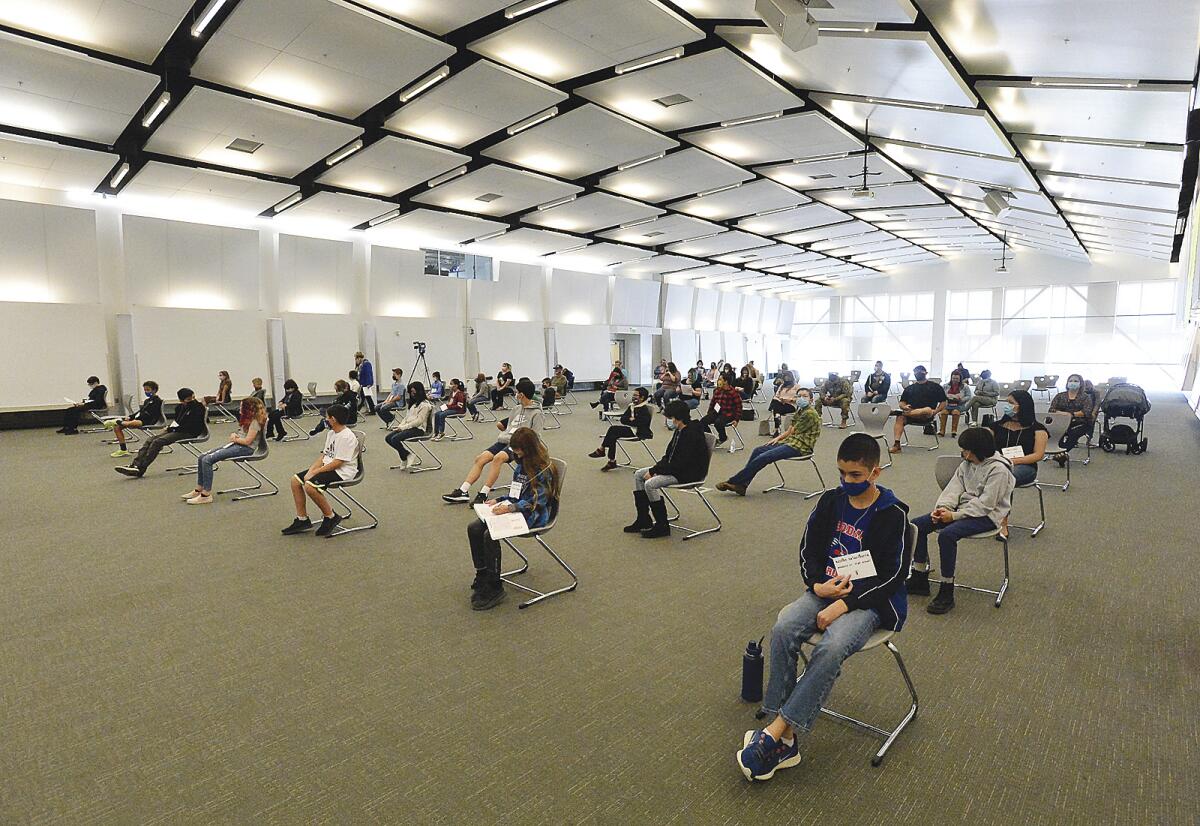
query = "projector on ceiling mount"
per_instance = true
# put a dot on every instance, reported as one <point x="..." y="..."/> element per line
<point x="996" y="200"/>
<point x="790" y="20"/>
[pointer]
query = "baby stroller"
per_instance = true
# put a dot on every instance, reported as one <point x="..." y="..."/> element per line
<point x="1126" y="401"/>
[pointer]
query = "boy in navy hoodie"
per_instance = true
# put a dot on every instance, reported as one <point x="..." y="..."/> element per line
<point x="854" y="561"/>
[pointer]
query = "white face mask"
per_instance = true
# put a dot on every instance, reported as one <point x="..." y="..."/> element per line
<point x="1072" y="385"/>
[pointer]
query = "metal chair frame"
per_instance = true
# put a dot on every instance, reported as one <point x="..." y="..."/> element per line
<point x="536" y="534"/>
<point x="422" y="442"/>
<point x="337" y="490"/>
<point x="873" y="418"/>
<point x="943" y="472"/>
<point x="189" y="446"/>
<point x="782" y="486"/>
<point x="698" y="489"/>
<point x="1036" y="529"/>
<point x="454" y="434"/>
<point x="1057" y="426"/>
<point x="628" y="463"/>
<point x="246" y="464"/>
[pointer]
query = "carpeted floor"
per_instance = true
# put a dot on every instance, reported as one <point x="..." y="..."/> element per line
<point x="174" y="664"/>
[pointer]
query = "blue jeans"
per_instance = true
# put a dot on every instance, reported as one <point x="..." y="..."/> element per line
<point x="799" y="703"/>
<point x="1025" y="474"/>
<point x="878" y="398"/>
<point x="948" y="536"/>
<point x="204" y="465"/>
<point x="439" y="420"/>
<point x="760" y="457"/>
<point x="387" y="411"/>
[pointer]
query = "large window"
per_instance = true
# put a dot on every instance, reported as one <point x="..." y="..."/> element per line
<point x="851" y="332"/>
<point x="458" y="265"/>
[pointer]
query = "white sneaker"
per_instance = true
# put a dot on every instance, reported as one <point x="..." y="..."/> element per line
<point x="200" y="500"/>
<point x="191" y="494"/>
<point x="410" y="462"/>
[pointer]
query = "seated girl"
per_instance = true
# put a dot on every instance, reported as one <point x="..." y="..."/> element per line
<point x="252" y="419"/>
<point x="415" y="423"/>
<point x="635" y="422"/>
<point x="455" y="405"/>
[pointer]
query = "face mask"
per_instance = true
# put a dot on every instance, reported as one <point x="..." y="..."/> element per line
<point x="919" y="376"/>
<point x="802" y="403"/>
<point x="878" y="370"/>
<point x="670" y="424"/>
<point x="149" y="393"/>
<point x="1072" y="385"/>
<point x="1005" y="409"/>
<point x="855" y="488"/>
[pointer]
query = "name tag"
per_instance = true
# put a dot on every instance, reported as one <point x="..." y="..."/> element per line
<point x="856" y="566"/>
<point x="1014" y="452"/>
<point x="445" y="407"/>
<point x="514" y="490"/>
<point x="716" y="408"/>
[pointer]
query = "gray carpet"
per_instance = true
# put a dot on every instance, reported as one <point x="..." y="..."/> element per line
<point x="174" y="664"/>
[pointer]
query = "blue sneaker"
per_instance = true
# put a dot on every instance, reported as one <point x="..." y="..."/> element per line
<point x="762" y="755"/>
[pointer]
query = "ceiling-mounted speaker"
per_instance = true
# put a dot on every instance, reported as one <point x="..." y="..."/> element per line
<point x="790" y="20"/>
<point x="996" y="200"/>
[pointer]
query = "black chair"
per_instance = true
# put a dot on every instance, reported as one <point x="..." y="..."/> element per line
<point x="247" y="465"/>
<point x="536" y="534"/>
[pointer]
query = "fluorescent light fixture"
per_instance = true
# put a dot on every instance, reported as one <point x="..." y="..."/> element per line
<point x="1085" y="83"/>
<point x="525" y="7"/>
<point x="557" y="202"/>
<point x="491" y="235"/>
<point x="773" y="211"/>
<point x="843" y="27"/>
<point x="751" y="119"/>
<point x="119" y="175"/>
<point x="448" y="176"/>
<point x="157" y="109"/>
<point x="650" y="60"/>
<point x="568" y="249"/>
<point x="387" y="216"/>
<point x="836" y="156"/>
<point x="708" y="192"/>
<point x="701" y="237"/>
<point x="421" y="85"/>
<point x="206" y="17"/>
<point x="1105" y="142"/>
<point x="1180" y="225"/>
<point x="656" y="156"/>
<point x="534" y="120"/>
<point x="638" y="223"/>
<point x="345" y="152"/>
<point x="288" y="202"/>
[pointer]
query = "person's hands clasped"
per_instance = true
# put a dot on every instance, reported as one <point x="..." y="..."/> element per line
<point x="835" y="588"/>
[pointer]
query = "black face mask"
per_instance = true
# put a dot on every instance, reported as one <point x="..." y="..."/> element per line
<point x="919" y="376"/>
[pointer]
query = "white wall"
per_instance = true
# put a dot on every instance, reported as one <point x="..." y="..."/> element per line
<point x="50" y="351"/>
<point x="578" y="298"/>
<point x="677" y="313"/>
<point x="399" y="287"/>
<point x="177" y="264"/>
<point x="49" y="254"/>
<point x="516" y="295"/>
<point x="729" y="312"/>
<point x="635" y="302"/>
<point x="706" y="309"/>
<point x="318" y="274"/>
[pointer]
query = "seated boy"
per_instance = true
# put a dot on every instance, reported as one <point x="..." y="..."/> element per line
<point x="150" y="413"/>
<point x="338" y="462"/>
<point x="97" y="399"/>
<point x="686" y="459"/>
<point x="798" y="440"/>
<point x="527" y="414"/>
<point x="920" y="403"/>
<point x="260" y="392"/>
<point x="976" y="500"/>
<point x="190" y="420"/>
<point x="858" y="522"/>
<point x="836" y="392"/>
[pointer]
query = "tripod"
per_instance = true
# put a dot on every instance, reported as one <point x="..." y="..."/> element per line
<point x="421" y="363"/>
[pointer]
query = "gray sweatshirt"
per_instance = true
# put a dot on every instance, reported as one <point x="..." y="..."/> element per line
<point x="988" y="388"/>
<point x="980" y="490"/>
<point x="530" y="417"/>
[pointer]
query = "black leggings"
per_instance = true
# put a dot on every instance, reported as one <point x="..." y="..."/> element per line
<point x="275" y="424"/>
<point x="718" y="421"/>
<point x="498" y="397"/>
<point x="1074" y="433"/>
<point x="617" y="431"/>
<point x="485" y="551"/>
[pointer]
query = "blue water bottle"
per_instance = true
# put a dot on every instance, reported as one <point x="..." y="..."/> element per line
<point x="752" y="672"/>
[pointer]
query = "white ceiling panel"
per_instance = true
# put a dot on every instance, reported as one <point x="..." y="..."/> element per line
<point x="904" y="65"/>
<point x="718" y="9"/>
<point x="1062" y="39"/>
<point x="437" y="16"/>
<point x="917" y="213"/>
<point x="887" y="195"/>
<point x="805" y="135"/>
<point x="846" y="228"/>
<point x="726" y="242"/>
<point x="959" y="127"/>
<point x="206" y="122"/>
<point x="137" y="29"/>
<point x="580" y="36"/>
<point x="345" y="210"/>
<point x="856" y="241"/>
<point x="48" y="89"/>
<point x="836" y="172"/>
<point x="786" y="261"/>
<point x="323" y="54"/>
<point x="658" y="264"/>
<point x="763" y="257"/>
<point x="1119" y="226"/>
<point x="718" y="85"/>
<point x="423" y="227"/>
<point x="599" y="255"/>
<point x="29" y="162"/>
<point x="1131" y="193"/>
<point x="665" y="230"/>
<point x="1161" y="163"/>
<point x="392" y="165"/>
<point x="1004" y="172"/>
<point x="678" y="174"/>
<point x="957" y="189"/>
<point x="188" y="185"/>
<point x="1146" y="113"/>
<point x="749" y="198"/>
<point x="1148" y="216"/>
<point x="581" y="142"/>
<point x="517" y="190"/>
<point x="592" y="212"/>
<point x="478" y="101"/>
<point x="527" y="242"/>
<point x="803" y="217"/>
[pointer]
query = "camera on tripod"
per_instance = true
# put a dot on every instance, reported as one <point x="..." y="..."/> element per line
<point x="419" y="346"/>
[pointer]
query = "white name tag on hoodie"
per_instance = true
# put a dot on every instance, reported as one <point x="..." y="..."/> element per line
<point x="856" y="566"/>
<point x="1014" y="452"/>
<point x="514" y="490"/>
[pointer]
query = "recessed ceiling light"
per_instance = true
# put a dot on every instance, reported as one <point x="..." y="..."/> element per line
<point x="672" y="100"/>
<point x="243" y="145"/>
<point x="488" y="197"/>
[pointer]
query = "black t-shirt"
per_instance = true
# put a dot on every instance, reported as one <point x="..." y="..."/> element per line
<point x="98" y="397"/>
<point x="506" y="377"/>
<point x="923" y="394"/>
<point x="1012" y="438"/>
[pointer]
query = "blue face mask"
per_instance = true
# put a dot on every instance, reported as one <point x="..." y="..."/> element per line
<point x="1004" y="409"/>
<point x="149" y="393"/>
<point x="1072" y="385"/>
<point x="670" y="424"/>
<point x="802" y="402"/>
<point x="855" y="488"/>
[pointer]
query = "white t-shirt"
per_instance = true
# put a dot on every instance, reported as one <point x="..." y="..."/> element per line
<point x="355" y="386"/>
<point x="342" y="446"/>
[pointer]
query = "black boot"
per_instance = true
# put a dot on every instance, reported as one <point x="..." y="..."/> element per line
<point x="491" y="589"/>
<point x="480" y="578"/>
<point x="918" y="584"/>
<point x="642" y="502"/>
<point x="661" y="526"/>
<point x="944" y="601"/>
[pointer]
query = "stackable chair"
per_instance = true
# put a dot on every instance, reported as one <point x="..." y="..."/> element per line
<point x="937" y="441"/>
<point x="808" y="457"/>
<point x="131" y="435"/>
<point x="1057" y="424"/>
<point x="1035" y="529"/>
<point x="295" y="431"/>
<point x="874" y="418"/>
<point x="855" y="376"/>
<point x="421" y="444"/>
<point x="462" y="419"/>
<point x="190" y="446"/>
<point x="338" y="493"/>
<point x="247" y="465"/>
<point x="1045" y="384"/>
<point x="220" y="407"/>
<point x="834" y="421"/>
<point x="308" y="404"/>
<point x="736" y="442"/>
<point x="1022" y="384"/>
<point x="879" y="638"/>
<point x="621" y="400"/>
<point x="100" y="416"/>
<point x="536" y="534"/>
<point x="943" y="471"/>
<point x="698" y="489"/>
<point x="625" y="459"/>
<point x="550" y="420"/>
